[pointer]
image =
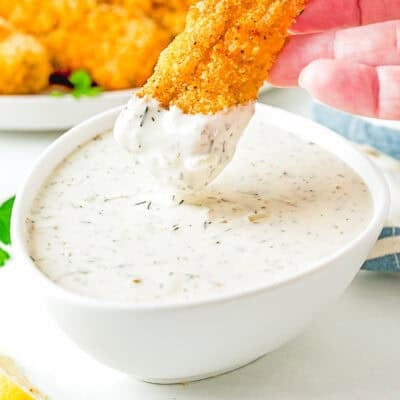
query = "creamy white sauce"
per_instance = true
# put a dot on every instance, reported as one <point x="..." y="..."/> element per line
<point x="185" y="152"/>
<point x="98" y="228"/>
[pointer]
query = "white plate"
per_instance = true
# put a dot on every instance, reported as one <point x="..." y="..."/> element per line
<point x="49" y="113"/>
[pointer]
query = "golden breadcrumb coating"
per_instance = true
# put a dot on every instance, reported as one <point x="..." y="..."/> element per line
<point x="24" y="62"/>
<point x="170" y="14"/>
<point x="117" y="41"/>
<point x="6" y="29"/>
<point x="118" y="50"/>
<point x="224" y="54"/>
<point x="135" y="7"/>
<point x="38" y="17"/>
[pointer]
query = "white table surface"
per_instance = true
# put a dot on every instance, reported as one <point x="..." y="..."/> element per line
<point x="352" y="351"/>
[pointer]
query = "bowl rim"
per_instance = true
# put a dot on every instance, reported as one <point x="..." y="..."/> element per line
<point x="380" y="209"/>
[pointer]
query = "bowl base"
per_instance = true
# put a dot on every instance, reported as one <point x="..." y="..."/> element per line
<point x="173" y="381"/>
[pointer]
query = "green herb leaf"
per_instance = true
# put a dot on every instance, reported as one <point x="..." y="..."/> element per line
<point x="82" y="82"/>
<point x="80" y="79"/>
<point x="92" y="91"/>
<point x="5" y="220"/>
<point x="4" y="256"/>
<point x="57" y="93"/>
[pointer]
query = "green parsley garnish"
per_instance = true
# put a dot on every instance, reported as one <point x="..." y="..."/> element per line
<point x="5" y="222"/>
<point x="4" y="256"/>
<point x="82" y="84"/>
<point x="57" y="93"/>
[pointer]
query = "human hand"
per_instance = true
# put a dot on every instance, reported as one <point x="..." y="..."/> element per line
<point x="356" y="69"/>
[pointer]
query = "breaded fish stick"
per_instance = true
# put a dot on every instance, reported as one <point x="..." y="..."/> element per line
<point x="184" y="125"/>
<point x="224" y="54"/>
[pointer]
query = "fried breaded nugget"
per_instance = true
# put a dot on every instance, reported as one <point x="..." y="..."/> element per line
<point x="224" y="54"/>
<point x="117" y="49"/>
<point x="170" y="14"/>
<point x="135" y="7"/>
<point x="39" y="17"/>
<point x="24" y="62"/>
<point x="6" y="29"/>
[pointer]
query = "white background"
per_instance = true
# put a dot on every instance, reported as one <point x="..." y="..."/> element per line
<point x="350" y="352"/>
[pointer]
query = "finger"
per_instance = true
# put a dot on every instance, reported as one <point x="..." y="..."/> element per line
<point x="355" y="88"/>
<point x="298" y="52"/>
<point x="373" y="45"/>
<point x="321" y="15"/>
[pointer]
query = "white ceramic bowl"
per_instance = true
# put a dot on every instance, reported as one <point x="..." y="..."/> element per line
<point x="187" y="341"/>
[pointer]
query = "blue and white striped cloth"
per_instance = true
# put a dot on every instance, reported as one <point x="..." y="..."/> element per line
<point x="381" y="142"/>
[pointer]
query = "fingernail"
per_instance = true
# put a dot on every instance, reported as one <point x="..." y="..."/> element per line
<point x="304" y="78"/>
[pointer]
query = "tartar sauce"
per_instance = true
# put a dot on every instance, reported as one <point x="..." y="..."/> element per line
<point x="182" y="151"/>
<point x="99" y="228"/>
